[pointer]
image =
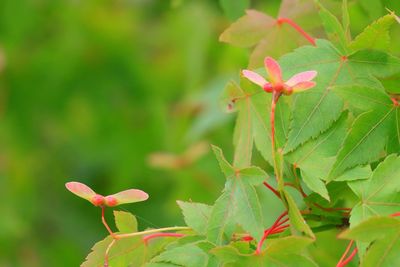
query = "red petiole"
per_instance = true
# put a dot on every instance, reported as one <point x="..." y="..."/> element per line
<point x="275" y="228"/>
<point x="103" y="219"/>
<point x="280" y="21"/>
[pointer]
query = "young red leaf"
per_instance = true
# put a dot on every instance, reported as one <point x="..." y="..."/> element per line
<point x="127" y="196"/>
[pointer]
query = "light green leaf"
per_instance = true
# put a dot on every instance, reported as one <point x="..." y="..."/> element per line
<point x="238" y="204"/>
<point x="372" y="229"/>
<point x="125" y="221"/>
<point x="222" y="222"/>
<point x="383" y="252"/>
<point x="317" y="156"/>
<point x="346" y="21"/>
<point x="378" y="195"/>
<point x="296" y="219"/>
<point x="364" y="142"/>
<point x="357" y="173"/>
<point x="315" y="184"/>
<point x="226" y="168"/>
<point x="333" y="28"/>
<point x="384" y="232"/>
<point x="375" y="36"/>
<point x="363" y="98"/>
<point x="279" y="252"/>
<point x="196" y="215"/>
<point x="125" y="252"/>
<point x="376" y="63"/>
<point x="315" y="110"/>
<point x="187" y="255"/>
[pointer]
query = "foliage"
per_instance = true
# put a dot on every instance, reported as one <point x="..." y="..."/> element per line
<point x="339" y="136"/>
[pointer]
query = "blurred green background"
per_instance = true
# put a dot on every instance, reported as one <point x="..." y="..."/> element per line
<point x="116" y="94"/>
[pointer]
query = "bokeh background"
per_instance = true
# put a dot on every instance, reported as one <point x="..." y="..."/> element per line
<point x="116" y="94"/>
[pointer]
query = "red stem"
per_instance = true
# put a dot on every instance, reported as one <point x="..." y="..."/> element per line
<point x="280" y="21"/>
<point x="280" y="229"/>
<point x="343" y="262"/>
<point x="270" y="230"/>
<point x="103" y="219"/>
<point x="149" y="237"/>
<point x="272" y="189"/>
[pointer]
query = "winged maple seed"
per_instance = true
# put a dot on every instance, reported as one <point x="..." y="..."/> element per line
<point x="123" y="197"/>
<point x="298" y="83"/>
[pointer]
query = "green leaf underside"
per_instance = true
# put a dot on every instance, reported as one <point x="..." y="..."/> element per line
<point x="196" y="215"/>
<point x="238" y="204"/>
<point x="279" y="252"/>
<point x="384" y="232"/>
<point x="379" y="194"/>
<point x="315" y="110"/>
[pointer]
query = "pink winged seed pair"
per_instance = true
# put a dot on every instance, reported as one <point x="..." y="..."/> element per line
<point x="298" y="83"/>
<point x="123" y="197"/>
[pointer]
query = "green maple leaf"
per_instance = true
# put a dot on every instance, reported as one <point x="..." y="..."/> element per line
<point x="196" y="215"/>
<point x="379" y="194"/>
<point x="384" y="232"/>
<point x="238" y="204"/>
<point x="286" y="251"/>
<point x="315" y="110"/>
<point x="376" y="123"/>
<point x="128" y="251"/>
<point x="323" y="150"/>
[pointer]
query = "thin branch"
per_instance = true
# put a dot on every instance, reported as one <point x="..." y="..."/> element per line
<point x="149" y="237"/>
<point x="272" y="189"/>
<point x="176" y="228"/>
<point x="103" y="219"/>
